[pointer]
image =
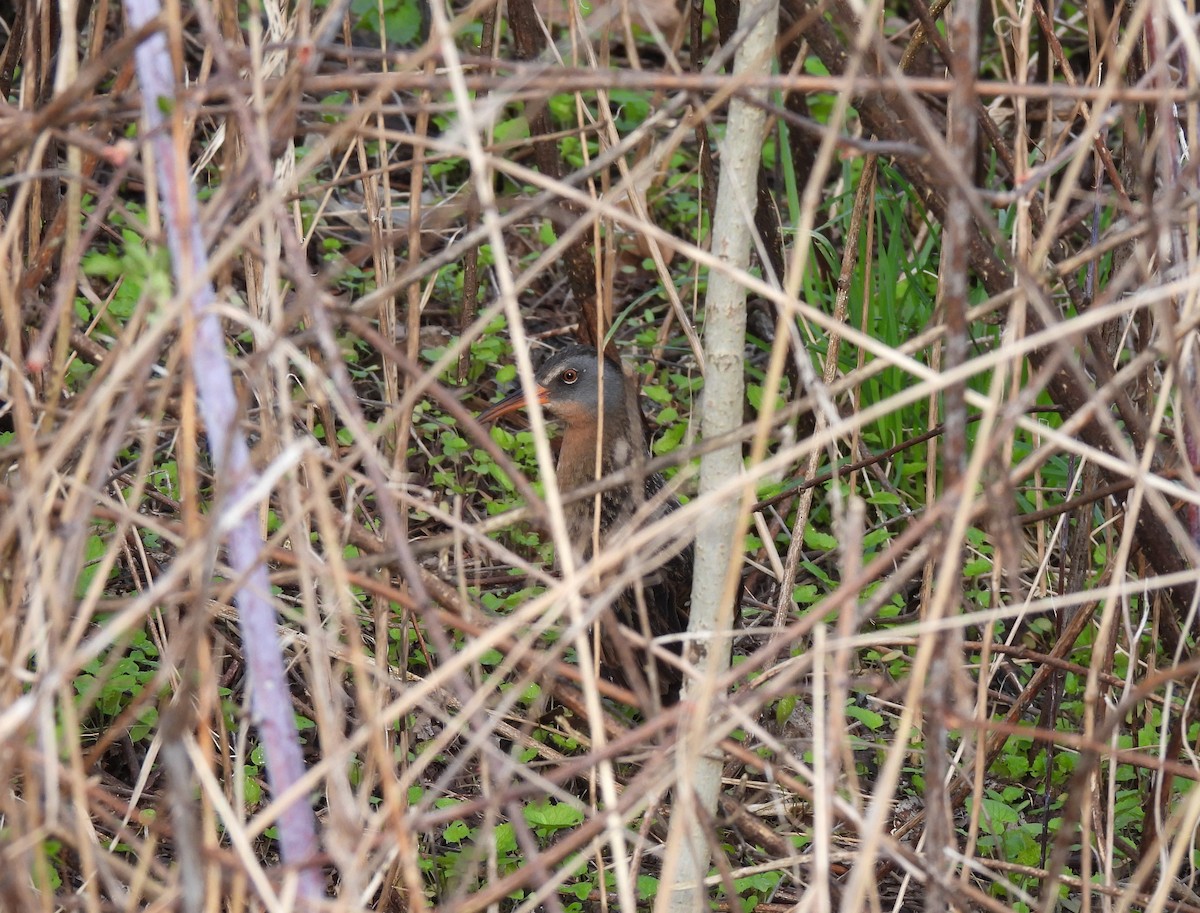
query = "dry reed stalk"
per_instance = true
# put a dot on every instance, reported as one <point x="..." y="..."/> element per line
<point x="457" y="756"/>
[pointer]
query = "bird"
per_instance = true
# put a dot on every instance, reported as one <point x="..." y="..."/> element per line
<point x="598" y="408"/>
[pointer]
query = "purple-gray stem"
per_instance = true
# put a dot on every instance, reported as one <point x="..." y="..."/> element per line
<point x="270" y="699"/>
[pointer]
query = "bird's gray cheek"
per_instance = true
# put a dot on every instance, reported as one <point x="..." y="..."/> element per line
<point x="621" y="452"/>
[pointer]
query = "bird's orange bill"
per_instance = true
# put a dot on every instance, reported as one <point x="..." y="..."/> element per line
<point x="512" y="403"/>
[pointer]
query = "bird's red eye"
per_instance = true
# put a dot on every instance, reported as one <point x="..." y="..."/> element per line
<point x="570" y="375"/>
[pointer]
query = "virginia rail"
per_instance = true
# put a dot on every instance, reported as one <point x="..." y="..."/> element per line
<point x="599" y="410"/>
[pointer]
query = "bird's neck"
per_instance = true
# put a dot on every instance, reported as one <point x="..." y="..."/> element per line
<point x="583" y="452"/>
<point x="578" y="462"/>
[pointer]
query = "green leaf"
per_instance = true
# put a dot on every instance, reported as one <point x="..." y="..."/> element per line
<point x="669" y="439"/>
<point x="83" y="683"/>
<point x="884" y="499"/>
<point x="505" y="838"/>
<point x="868" y="718"/>
<point x="106" y="266"/>
<point x="819" y="540"/>
<point x="783" y="710"/>
<point x="512" y="130"/>
<point x="504" y="438"/>
<point x="998" y="814"/>
<point x="658" y="393"/>
<point x="252" y="789"/>
<point x="454" y="444"/>
<point x="759" y="881"/>
<point x="977" y="568"/>
<point x="582" y="889"/>
<point x="492" y="657"/>
<point x="805" y="594"/>
<point x="403" y="23"/>
<point x="877" y="537"/>
<point x="552" y="816"/>
<point x="146" y="724"/>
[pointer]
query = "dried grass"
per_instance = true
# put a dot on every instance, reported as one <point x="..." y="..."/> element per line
<point x="1059" y="446"/>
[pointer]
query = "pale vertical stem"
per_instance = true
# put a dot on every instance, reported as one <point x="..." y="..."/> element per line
<point x="719" y="541"/>
<point x="955" y="274"/>
<point x="271" y="704"/>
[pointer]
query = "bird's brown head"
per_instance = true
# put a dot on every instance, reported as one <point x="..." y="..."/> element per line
<point x="569" y="387"/>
